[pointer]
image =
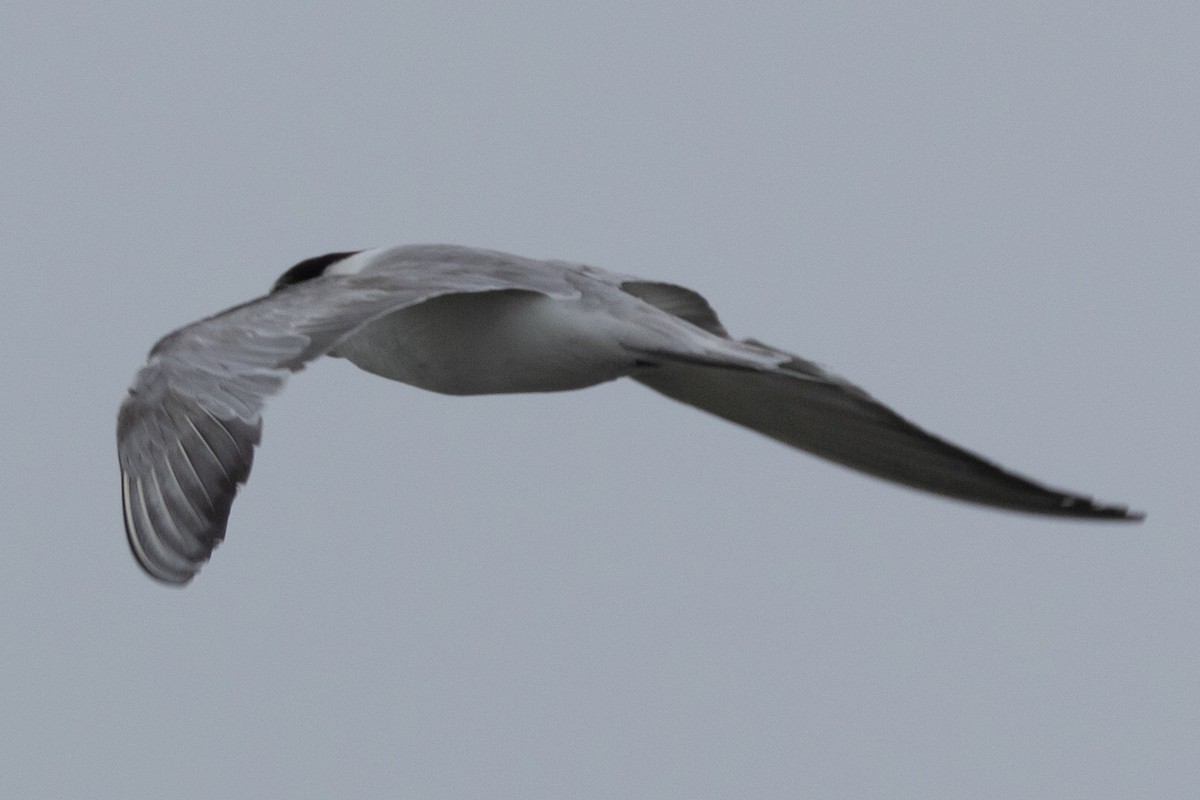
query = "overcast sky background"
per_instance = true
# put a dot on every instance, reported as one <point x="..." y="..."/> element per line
<point x="986" y="214"/>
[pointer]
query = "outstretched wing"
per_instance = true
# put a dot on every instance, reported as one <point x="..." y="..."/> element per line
<point x="802" y="405"/>
<point x="187" y="430"/>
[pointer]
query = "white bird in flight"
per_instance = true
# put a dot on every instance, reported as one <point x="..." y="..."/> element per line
<point x="464" y="321"/>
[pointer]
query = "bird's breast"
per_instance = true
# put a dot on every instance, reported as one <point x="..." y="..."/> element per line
<point x="492" y="343"/>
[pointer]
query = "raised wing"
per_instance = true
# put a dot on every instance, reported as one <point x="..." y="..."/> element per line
<point x="680" y="301"/>
<point x="802" y="405"/>
<point x="186" y="432"/>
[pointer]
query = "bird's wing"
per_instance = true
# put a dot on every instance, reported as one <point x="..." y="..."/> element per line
<point x="802" y="405"/>
<point x="186" y="432"/>
<point x="680" y="301"/>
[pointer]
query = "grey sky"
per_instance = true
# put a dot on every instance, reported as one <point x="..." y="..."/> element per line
<point x="986" y="215"/>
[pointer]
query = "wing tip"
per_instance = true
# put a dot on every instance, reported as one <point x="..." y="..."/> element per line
<point x="172" y="580"/>
<point x="154" y="567"/>
<point x="1121" y="514"/>
<point x="1085" y="508"/>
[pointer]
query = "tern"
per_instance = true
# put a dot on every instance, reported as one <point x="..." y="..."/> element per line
<point x="464" y="321"/>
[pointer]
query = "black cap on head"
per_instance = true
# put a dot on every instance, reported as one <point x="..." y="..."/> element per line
<point x="310" y="268"/>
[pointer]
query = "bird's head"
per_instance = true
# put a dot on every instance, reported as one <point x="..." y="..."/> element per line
<point x="310" y="268"/>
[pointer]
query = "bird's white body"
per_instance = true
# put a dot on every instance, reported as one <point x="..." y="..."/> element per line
<point x="462" y="321"/>
<point x="493" y="343"/>
<point x="512" y="340"/>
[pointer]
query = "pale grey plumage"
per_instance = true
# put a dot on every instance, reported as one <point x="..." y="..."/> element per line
<point x="466" y="321"/>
